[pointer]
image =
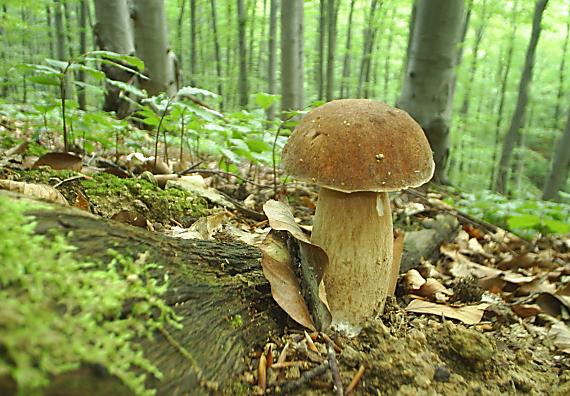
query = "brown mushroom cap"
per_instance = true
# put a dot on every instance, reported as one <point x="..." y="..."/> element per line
<point x="359" y="145"/>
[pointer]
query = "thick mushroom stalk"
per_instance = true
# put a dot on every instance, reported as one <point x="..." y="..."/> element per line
<point x="355" y="229"/>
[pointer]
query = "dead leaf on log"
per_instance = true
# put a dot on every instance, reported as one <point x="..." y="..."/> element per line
<point x="304" y="270"/>
<point x="39" y="191"/>
<point x="285" y="288"/>
<point x="560" y="334"/>
<point x="60" y="161"/>
<point x="468" y="314"/>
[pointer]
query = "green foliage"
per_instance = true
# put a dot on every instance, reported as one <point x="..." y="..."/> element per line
<point x="525" y="217"/>
<point x="58" y="313"/>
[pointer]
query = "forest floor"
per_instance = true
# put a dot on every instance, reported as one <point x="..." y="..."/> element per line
<point x="489" y="315"/>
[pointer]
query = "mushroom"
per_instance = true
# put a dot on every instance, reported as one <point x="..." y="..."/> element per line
<point x="357" y="150"/>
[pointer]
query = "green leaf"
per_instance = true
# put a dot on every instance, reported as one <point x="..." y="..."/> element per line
<point x="60" y="65"/>
<point x="45" y="79"/>
<point x="265" y="100"/>
<point x="557" y="227"/>
<point x="523" y="221"/>
<point x="125" y="59"/>
<point x="192" y="91"/>
<point x="258" y="146"/>
<point x="131" y="89"/>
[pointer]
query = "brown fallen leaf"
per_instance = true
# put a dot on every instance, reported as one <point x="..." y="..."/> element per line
<point x="285" y="288"/>
<point x="526" y="310"/>
<point x="560" y="333"/>
<point x="130" y="217"/>
<point x="60" y="161"/>
<point x="468" y="314"/>
<point x="281" y="218"/>
<point x="39" y="191"/>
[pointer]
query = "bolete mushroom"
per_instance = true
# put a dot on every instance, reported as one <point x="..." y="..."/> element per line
<point x="357" y="150"/>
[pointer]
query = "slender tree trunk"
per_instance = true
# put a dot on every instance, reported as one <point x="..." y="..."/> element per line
<point x="292" y="53"/>
<point x="518" y="115"/>
<point x="5" y="83"/>
<point x="561" y="76"/>
<point x="151" y="38"/>
<point x="560" y="166"/>
<point x="367" y="47"/>
<point x="332" y="12"/>
<point x="474" y="61"/>
<point x="180" y="35"/>
<point x="411" y="28"/>
<point x="113" y="32"/>
<point x="390" y="37"/>
<point x="502" y="95"/>
<point x="60" y="39"/>
<point x="260" y="52"/>
<point x="193" y="49"/>
<point x="272" y="54"/>
<point x="24" y="55"/>
<point x="252" y="38"/>
<point x="217" y="53"/>
<point x="242" y="82"/>
<point x="345" y="83"/>
<point x="320" y="71"/>
<point x="68" y="28"/>
<point x="428" y="86"/>
<point x="49" y="30"/>
<point x="232" y="52"/>
<point x="82" y="27"/>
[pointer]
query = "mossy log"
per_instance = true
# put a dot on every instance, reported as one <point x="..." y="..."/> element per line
<point x="217" y="288"/>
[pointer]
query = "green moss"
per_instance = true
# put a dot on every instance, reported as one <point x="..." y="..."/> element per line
<point x="237" y="321"/>
<point x="58" y="313"/>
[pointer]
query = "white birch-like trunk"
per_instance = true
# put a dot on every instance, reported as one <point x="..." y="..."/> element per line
<point x="151" y="43"/>
<point x="427" y="92"/>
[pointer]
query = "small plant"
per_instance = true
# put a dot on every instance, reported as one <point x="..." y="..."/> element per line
<point x="56" y="73"/>
<point x="525" y="217"/>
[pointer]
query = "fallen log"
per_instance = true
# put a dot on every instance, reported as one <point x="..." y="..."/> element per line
<point x="211" y="285"/>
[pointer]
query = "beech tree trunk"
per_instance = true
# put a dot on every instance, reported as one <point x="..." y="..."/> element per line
<point x="560" y="166"/>
<point x="151" y="41"/>
<point x="217" y="53"/>
<point x="332" y="13"/>
<point x="367" y="48"/>
<point x="193" y="49"/>
<point x="60" y="42"/>
<point x="427" y="92"/>
<point x="272" y="54"/>
<point x="113" y="32"/>
<point x="519" y="113"/>
<point x="82" y="25"/>
<point x="502" y="95"/>
<point x="561" y="76"/>
<point x="292" y="52"/>
<point x="345" y="83"/>
<point x="242" y="82"/>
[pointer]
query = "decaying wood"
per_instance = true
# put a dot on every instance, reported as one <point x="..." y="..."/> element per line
<point x="211" y="284"/>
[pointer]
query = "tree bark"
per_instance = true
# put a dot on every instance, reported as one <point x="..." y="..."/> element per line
<point x="193" y="50"/>
<point x="345" y="83"/>
<point x="180" y="36"/>
<point x="151" y="40"/>
<point x="82" y="25"/>
<point x="561" y="76"/>
<point x="217" y="53"/>
<point x="113" y="32"/>
<point x="427" y="92"/>
<point x="367" y="47"/>
<point x="242" y="81"/>
<point x="502" y="95"/>
<point x="560" y="165"/>
<point x="519" y="113"/>
<point x="332" y="12"/>
<point x="292" y="53"/>
<point x="60" y="41"/>
<point x="272" y="54"/>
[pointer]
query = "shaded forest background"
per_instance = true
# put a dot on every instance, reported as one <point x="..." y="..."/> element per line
<point x="359" y="52"/>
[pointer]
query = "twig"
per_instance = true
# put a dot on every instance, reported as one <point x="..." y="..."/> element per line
<point x="69" y="180"/>
<point x="355" y="380"/>
<point x="331" y="356"/>
<point x="304" y="379"/>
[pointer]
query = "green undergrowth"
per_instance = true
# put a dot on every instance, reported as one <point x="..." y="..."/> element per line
<point x="58" y="313"/>
<point x="525" y="217"/>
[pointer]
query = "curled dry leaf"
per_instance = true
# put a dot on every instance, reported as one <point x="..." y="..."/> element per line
<point x="60" y="161"/>
<point x="285" y="288"/>
<point x="468" y="314"/>
<point x="296" y="284"/>
<point x="560" y="333"/>
<point x="39" y="191"/>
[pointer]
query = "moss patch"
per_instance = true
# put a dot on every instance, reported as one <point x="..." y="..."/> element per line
<point x="58" y="314"/>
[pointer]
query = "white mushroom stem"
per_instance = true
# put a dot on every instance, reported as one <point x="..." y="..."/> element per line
<point x="355" y="230"/>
